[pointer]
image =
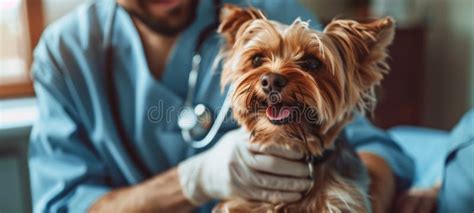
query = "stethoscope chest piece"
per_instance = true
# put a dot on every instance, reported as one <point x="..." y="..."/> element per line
<point x="195" y="121"/>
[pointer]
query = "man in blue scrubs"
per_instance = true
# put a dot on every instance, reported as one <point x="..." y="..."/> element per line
<point x="80" y="161"/>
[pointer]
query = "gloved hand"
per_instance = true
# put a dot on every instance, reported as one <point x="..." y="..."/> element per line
<point x="234" y="168"/>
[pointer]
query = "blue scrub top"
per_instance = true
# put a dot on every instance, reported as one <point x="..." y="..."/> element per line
<point x="76" y="154"/>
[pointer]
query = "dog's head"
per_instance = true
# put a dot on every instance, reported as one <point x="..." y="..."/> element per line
<point x="289" y="78"/>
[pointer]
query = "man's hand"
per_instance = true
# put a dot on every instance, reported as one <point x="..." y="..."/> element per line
<point x="233" y="168"/>
<point x="417" y="200"/>
<point x="382" y="182"/>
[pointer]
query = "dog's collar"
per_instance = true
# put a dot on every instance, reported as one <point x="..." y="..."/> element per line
<point x="318" y="159"/>
<point x="314" y="160"/>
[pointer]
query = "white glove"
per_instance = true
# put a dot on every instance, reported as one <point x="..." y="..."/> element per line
<point x="234" y="168"/>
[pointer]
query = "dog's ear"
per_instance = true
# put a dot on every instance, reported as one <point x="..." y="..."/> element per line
<point x="363" y="48"/>
<point x="232" y="18"/>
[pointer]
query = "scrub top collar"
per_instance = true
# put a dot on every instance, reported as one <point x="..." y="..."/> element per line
<point x="126" y="39"/>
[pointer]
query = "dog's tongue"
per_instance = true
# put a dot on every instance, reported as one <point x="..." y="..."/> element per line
<point x="276" y="113"/>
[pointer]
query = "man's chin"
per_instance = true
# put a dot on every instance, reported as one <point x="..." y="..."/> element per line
<point x="161" y="27"/>
<point x="177" y="19"/>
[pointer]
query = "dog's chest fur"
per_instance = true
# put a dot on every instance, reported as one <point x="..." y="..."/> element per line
<point x="341" y="184"/>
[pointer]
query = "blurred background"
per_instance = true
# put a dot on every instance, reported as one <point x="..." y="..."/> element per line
<point x="431" y="83"/>
<point x="432" y="78"/>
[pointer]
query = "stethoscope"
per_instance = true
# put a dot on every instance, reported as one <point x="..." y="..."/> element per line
<point x="194" y="121"/>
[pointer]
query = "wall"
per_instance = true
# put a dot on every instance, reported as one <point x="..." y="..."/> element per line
<point x="472" y="71"/>
<point x="53" y="9"/>
<point x="328" y="9"/>
<point x="450" y="67"/>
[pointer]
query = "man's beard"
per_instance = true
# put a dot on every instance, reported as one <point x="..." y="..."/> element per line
<point x="161" y="26"/>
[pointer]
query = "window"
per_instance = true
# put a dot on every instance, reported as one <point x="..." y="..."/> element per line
<point x="14" y="40"/>
<point x="21" y="23"/>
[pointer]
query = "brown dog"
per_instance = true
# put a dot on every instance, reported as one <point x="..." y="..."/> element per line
<point x="298" y="88"/>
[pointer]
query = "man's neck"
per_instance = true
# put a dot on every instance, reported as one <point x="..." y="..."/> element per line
<point x="157" y="48"/>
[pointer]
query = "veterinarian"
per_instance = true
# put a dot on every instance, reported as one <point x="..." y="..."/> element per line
<point x="110" y="93"/>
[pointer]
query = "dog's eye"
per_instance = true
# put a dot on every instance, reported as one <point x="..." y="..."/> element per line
<point x="257" y="60"/>
<point x="310" y="63"/>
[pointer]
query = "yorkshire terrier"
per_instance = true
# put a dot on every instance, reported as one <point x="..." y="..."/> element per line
<point x="297" y="88"/>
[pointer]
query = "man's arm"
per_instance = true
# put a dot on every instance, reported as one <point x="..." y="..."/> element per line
<point x="67" y="174"/>
<point x="161" y="193"/>
<point x="231" y="168"/>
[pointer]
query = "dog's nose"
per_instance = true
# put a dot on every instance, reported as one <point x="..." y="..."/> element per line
<point x="273" y="82"/>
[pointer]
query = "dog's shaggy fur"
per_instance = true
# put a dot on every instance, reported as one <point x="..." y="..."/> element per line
<point x="328" y="76"/>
